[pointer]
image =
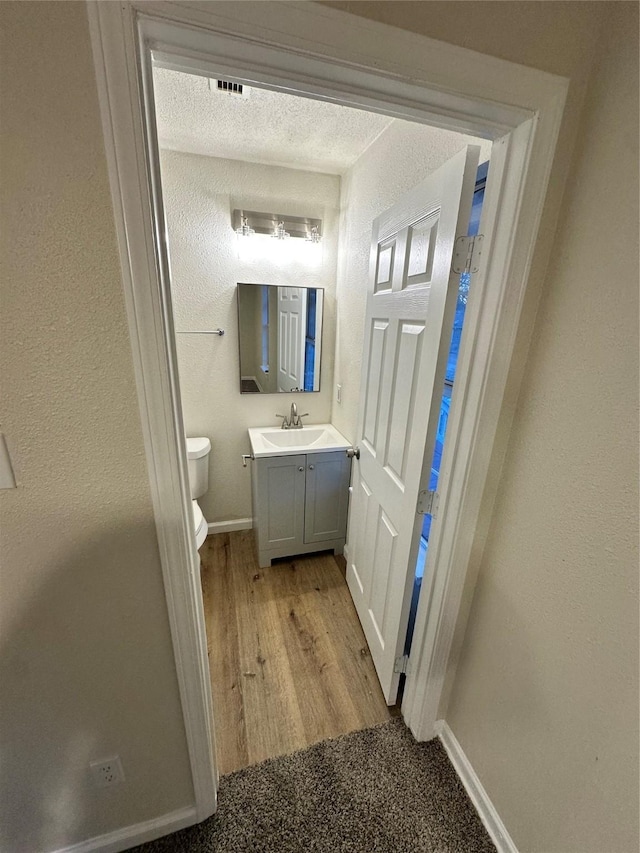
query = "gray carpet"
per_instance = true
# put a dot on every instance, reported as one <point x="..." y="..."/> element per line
<point x="373" y="791"/>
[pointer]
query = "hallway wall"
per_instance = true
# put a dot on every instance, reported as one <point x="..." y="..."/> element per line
<point x="86" y="663"/>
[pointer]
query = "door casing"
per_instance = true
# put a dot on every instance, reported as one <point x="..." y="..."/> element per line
<point x="305" y="49"/>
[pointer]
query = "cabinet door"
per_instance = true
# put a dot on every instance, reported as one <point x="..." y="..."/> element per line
<point x="280" y="483"/>
<point x="327" y="496"/>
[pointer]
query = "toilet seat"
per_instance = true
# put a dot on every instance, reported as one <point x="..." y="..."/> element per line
<point x="199" y="524"/>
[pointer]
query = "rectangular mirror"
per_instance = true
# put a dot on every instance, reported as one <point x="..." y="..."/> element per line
<point x="280" y="337"/>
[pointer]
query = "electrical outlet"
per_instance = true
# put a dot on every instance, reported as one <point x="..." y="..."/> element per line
<point x="107" y="772"/>
<point x="338" y="393"/>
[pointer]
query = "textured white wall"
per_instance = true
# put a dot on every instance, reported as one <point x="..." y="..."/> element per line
<point x="545" y="702"/>
<point x="400" y="158"/>
<point x="207" y="260"/>
<point x="86" y="665"/>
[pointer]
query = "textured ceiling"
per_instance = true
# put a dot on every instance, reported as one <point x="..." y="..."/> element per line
<point x="265" y="127"/>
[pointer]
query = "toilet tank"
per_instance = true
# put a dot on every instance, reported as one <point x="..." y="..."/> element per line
<point x="198" y="450"/>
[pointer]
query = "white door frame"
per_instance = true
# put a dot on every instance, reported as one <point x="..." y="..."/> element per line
<point x="311" y="50"/>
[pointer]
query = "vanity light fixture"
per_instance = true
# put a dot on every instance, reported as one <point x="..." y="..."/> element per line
<point x="279" y="233"/>
<point x="314" y="235"/>
<point x="244" y="229"/>
<point x="278" y="225"/>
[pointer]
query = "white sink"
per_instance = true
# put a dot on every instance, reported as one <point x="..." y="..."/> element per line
<point x="294" y="437"/>
<point x="315" y="438"/>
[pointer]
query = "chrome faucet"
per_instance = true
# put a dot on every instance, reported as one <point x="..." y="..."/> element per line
<point x="294" y="421"/>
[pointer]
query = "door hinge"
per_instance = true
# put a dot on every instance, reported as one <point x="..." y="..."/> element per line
<point x="466" y="254"/>
<point x="401" y="664"/>
<point x="428" y="503"/>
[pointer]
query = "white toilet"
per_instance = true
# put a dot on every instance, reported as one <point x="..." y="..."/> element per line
<point x="198" y="450"/>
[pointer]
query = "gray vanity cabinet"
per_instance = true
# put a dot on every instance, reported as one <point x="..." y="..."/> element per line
<point x="327" y="496"/>
<point x="300" y="504"/>
<point x="278" y="512"/>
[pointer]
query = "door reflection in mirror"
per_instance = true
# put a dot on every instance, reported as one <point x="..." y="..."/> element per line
<point x="280" y="338"/>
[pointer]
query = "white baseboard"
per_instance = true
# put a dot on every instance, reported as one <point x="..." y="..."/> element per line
<point x="479" y="797"/>
<point x="228" y="526"/>
<point x="139" y="833"/>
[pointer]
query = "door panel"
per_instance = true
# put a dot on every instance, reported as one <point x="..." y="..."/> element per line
<point x="410" y="309"/>
<point x="422" y="245"/>
<point x="385" y="542"/>
<point x="403" y="394"/>
<point x="360" y="508"/>
<point x="379" y="333"/>
<point x="292" y="308"/>
<point x="384" y="269"/>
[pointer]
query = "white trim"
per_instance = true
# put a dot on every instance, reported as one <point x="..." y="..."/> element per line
<point x="155" y="366"/>
<point x="331" y="55"/>
<point x="474" y="787"/>
<point x="139" y="833"/>
<point x="228" y="526"/>
<point x="318" y="52"/>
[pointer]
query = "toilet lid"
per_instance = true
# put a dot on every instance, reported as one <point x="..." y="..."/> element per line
<point x="198" y="447"/>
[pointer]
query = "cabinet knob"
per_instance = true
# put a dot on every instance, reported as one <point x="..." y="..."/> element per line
<point x="301" y="468"/>
<point x="311" y="467"/>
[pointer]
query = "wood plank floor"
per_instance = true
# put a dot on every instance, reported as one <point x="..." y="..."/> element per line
<point x="288" y="660"/>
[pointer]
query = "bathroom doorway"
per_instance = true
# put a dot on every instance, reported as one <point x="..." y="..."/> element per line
<point x="284" y="641"/>
<point x="522" y="119"/>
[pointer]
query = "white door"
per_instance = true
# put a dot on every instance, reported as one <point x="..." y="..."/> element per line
<point x="410" y="310"/>
<point x="292" y="320"/>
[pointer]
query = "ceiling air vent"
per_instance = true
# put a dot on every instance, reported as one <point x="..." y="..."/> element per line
<point x="229" y="87"/>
